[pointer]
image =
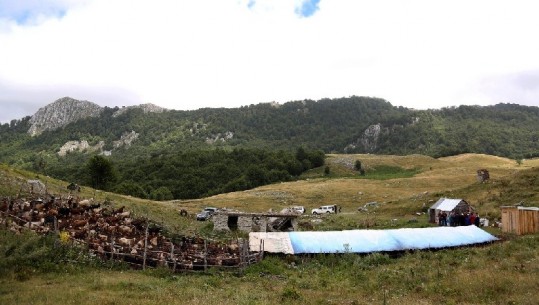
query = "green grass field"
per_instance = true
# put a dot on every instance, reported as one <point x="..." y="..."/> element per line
<point x="35" y="271"/>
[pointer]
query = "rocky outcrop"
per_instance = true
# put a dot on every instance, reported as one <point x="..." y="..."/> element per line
<point x="220" y="137"/>
<point x="368" y="142"/>
<point x="80" y="146"/>
<point x="126" y="139"/>
<point x="71" y="146"/>
<point x="60" y="113"/>
<point x="146" y="108"/>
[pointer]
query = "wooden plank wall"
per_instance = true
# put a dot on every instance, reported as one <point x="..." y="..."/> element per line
<point x="520" y="221"/>
<point x="529" y="221"/>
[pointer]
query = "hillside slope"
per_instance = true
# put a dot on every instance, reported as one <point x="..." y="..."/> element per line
<point x="353" y="125"/>
<point x="134" y="137"/>
<point x="401" y="198"/>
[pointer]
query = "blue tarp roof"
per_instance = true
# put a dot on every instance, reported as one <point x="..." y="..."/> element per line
<point x="365" y="241"/>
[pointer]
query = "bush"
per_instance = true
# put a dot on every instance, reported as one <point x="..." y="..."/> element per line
<point x="28" y="252"/>
<point x="289" y="293"/>
<point x="269" y="265"/>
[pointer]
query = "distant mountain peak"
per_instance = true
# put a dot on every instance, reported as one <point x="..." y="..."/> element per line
<point x="60" y="113"/>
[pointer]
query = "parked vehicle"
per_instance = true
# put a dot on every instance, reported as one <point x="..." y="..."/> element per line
<point x="211" y="210"/>
<point x="325" y="209"/>
<point x="206" y="213"/>
<point x="299" y="209"/>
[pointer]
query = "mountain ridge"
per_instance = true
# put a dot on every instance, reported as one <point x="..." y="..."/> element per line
<point x="345" y="125"/>
<point x="68" y="110"/>
<point x="152" y="149"/>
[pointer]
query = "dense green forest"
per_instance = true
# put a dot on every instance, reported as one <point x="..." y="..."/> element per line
<point x="190" y="154"/>
<point x="191" y="174"/>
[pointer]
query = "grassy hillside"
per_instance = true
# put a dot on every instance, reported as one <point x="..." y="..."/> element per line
<point x="399" y="197"/>
<point x="500" y="273"/>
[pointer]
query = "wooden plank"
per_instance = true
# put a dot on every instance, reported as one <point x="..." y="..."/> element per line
<point x="520" y="221"/>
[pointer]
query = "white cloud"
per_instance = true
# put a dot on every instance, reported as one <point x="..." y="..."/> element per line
<point x="227" y="53"/>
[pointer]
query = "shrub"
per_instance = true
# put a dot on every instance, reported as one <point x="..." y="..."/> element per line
<point x="289" y="293"/>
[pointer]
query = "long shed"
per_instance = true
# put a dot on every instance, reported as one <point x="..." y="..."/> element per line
<point x="367" y="241"/>
<point x="520" y="220"/>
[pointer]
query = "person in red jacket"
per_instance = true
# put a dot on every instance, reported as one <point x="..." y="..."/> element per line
<point x="472" y="218"/>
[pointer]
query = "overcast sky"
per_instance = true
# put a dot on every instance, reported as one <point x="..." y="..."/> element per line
<point x="189" y="54"/>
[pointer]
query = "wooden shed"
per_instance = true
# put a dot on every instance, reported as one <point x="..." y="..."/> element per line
<point x="448" y="205"/>
<point x="520" y="220"/>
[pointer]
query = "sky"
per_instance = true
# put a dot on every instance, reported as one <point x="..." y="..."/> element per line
<point x="191" y="54"/>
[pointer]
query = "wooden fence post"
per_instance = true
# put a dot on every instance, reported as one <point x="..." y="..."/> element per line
<point x="261" y="250"/>
<point x="173" y="258"/>
<point x="242" y="255"/>
<point x="55" y="222"/>
<point x="88" y="240"/>
<point x="205" y="255"/>
<point x="112" y="247"/>
<point x="5" y="217"/>
<point x="145" y="246"/>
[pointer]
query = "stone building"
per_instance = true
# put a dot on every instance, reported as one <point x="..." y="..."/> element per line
<point x="254" y="222"/>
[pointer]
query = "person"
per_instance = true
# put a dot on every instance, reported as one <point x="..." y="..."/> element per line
<point x="460" y="219"/>
<point x="451" y="219"/>
<point x="477" y="220"/>
<point x="472" y="218"/>
<point x="444" y="218"/>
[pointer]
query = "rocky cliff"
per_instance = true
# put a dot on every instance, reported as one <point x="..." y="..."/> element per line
<point x="368" y="141"/>
<point x="60" y="113"/>
<point x="145" y="108"/>
<point x="67" y="110"/>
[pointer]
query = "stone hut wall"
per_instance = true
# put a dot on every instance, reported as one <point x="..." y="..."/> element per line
<point x="220" y="222"/>
<point x="245" y="223"/>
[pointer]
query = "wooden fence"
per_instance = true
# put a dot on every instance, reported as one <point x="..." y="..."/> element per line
<point x="180" y="258"/>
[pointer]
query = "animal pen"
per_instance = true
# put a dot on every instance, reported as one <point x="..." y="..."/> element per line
<point x="520" y="220"/>
<point x="112" y="234"/>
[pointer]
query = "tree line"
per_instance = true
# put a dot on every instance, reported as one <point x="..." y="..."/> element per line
<point x="197" y="174"/>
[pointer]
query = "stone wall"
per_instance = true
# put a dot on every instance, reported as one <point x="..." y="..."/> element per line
<point x="245" y="223"/>
<point x="220" y="222"/>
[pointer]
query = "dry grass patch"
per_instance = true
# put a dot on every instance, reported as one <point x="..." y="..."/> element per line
<point x="436" y="177"/>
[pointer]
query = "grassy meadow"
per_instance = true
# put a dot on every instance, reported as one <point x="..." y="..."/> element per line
<point x="34" y="271"/>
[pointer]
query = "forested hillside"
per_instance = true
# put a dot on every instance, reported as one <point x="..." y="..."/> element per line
<point x="147" y="147"/>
